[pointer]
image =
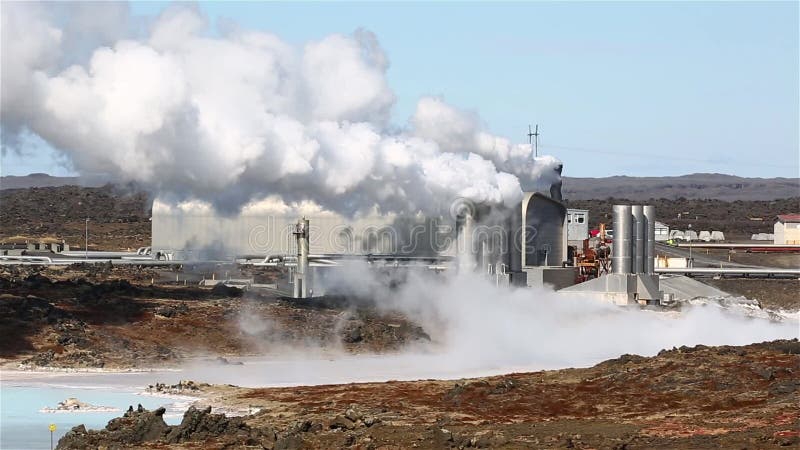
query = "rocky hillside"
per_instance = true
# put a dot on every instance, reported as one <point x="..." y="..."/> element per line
<point x="737" y="219"/>
<point x="695" y="186"/>
<point x="118" y="218"/>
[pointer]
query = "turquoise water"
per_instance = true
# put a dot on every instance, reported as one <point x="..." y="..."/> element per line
<point x="22" y="426"/>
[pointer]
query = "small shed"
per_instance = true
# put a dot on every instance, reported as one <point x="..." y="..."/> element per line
<point x="787" y="229"/>
<point x="577" y="226"/>
<point x="661" y="232"/>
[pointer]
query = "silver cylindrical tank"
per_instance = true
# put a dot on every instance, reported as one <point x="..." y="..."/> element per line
<point x="650" y="244"/>
<point x="466" y="246"/>
<point x="639" y="239"/>
<point x="301" y="274"/>
<point x="621" y="249"/>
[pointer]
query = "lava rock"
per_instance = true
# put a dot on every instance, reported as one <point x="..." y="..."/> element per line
<point x="342" y="422"/>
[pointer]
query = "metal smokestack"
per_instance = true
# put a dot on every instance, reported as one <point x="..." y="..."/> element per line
<point x="466" y="246"/>
<point x="650" y="242"/>
<point x="639" y="238"/>
<point x="621" y="250"/>
<point x="301" y="271"/>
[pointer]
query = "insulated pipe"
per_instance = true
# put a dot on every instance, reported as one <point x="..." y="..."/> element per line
<point x="639" y="239"/>
<point x="650" y="242"/>
<point x="621" y="250"/>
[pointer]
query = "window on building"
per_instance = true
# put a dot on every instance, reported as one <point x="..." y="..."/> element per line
<point x="580" y="219"/>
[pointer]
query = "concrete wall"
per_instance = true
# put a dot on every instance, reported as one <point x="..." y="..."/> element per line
<point x="544" y="230"/>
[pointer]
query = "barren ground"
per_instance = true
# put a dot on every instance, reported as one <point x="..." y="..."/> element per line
<point x="86" y="317"/>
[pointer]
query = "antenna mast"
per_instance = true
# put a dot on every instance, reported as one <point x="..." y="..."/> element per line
<point x="533" y="139"/>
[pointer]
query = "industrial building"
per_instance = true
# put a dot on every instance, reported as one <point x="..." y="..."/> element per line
<point x="787" y="229"/>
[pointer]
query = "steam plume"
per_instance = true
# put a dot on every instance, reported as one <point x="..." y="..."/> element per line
<point x="232" y="118"/>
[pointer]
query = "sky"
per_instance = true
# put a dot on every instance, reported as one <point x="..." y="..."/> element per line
<point x="630" y="88"/>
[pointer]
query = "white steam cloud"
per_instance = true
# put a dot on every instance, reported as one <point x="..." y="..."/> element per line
<point x="236" y="117"/>
<point x="483" y="328"/>
<point x="480" y="329"/>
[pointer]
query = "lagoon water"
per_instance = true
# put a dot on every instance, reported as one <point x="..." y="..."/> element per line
<point x="23" y="426"/>
<point x="23" y="394"/>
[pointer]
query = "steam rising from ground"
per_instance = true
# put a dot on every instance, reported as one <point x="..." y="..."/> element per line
<point x="479" y="326"/>
<point x="237" y="116"/>
<point x="480" y="329"/>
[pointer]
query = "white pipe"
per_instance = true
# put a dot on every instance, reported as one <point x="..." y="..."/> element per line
<point x="729" y="270"/>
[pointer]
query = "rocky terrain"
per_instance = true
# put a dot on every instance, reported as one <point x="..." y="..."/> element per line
<point x="119" y="218"/>
<point x="81" y="318"/>
<point x="738" y="219"/>
<point x="696" y="186"/>
<point x="683" y="398"/>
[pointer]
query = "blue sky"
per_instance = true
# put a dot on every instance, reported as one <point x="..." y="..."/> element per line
<point x="633" y="88"/>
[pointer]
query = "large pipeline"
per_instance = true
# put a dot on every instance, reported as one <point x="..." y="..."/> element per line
<point x="729" y="271"/>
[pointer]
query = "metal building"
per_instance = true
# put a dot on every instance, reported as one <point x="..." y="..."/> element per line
<point x="519" y="245"/>
<point x="787" y="229"/>
<point x="661" y="232"/>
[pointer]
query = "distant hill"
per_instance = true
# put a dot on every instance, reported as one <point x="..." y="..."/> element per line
<point x="45" y="180"/>
<point x="695" y="186"/>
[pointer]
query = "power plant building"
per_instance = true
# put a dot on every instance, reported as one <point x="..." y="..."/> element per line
<point x="787" y="229"/>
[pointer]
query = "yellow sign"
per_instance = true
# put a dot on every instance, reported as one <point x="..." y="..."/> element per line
<point x="52" y="427"/>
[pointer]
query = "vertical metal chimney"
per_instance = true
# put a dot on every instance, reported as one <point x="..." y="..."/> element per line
<point x="301" y="271"/>
<point x="621" y="249"/>
<point x="639" y="238"/>
<point x="466" y="246"/>
<point x="650" y="243"/>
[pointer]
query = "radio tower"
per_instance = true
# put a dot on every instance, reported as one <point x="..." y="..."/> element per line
<point x="533" y="139"/>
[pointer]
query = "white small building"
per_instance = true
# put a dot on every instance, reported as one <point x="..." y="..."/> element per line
<point x="662" y="232"/>
<point x="577" y="226"/>
<point x="787" y="229"/>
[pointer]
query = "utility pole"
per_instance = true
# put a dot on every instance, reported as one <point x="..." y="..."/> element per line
<point x="533" y="139"/>
<point x="86" y="241"/>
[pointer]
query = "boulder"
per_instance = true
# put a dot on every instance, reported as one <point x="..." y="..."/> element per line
<point x="342" y="422"/>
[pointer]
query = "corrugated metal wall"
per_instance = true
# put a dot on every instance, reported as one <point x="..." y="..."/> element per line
<point x="207" y="236"/>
